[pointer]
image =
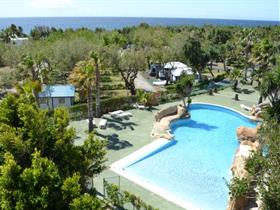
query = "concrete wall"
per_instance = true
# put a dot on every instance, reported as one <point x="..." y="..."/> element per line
<point x="50" y="103"/>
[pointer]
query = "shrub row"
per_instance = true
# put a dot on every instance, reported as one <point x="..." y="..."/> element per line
<point x="79" y="111"/>
<point x="112" y="87"/>
<point x="106" y="79"/>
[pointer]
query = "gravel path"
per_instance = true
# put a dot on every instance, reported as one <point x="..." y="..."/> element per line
<point x="142" y="83"/>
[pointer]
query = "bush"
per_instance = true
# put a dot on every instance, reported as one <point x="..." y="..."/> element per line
<point x="219" y="77"/>
<point x="105" y="79"/>
<point x="79" y="111"/>
<point x="113" y="87"/>
<point x="118" y="198"/>
<point x="239" y="187"/>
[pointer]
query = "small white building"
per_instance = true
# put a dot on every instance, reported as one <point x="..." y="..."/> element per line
<point x="53" y="96"/>
<point x="18" y="40"/>
<point x="176" y="70"/>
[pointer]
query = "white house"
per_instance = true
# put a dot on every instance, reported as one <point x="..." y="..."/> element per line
<point x="53" y="96"/>
<point x="176" y="70"/>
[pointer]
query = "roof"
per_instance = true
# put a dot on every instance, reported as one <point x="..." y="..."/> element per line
<point x="179" y="72"/>
<point x="178" y="68"/>
<point x="57" y="91"/>
<point x="175" y="65"/>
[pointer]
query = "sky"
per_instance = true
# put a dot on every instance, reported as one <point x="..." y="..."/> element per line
<point x="218" y="9"/>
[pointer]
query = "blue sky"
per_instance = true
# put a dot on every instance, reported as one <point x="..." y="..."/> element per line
<point x="227" y="9"/>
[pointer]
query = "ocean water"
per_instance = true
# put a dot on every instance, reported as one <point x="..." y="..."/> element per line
<point x="110" y="23"/>
<point x="197" y="164"/>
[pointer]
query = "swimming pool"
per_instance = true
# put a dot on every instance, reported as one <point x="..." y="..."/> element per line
<point x="191" y="170"/>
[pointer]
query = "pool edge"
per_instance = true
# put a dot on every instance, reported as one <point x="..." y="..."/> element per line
<point x="118" y="166"/>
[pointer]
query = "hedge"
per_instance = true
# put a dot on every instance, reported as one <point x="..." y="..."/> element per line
<point x="79" y="111"/>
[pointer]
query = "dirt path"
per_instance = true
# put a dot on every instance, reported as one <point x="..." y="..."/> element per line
<point x="142" y="83"/>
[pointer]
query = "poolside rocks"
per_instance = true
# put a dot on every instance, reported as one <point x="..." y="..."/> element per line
<point x="163" y="119"/>
<point x="246" y="134"/>
<point x="248" y="143"/>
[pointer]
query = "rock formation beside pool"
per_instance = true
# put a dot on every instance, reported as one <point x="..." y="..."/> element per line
<point x="163" y="119"/>
<point x="248" y="143"/>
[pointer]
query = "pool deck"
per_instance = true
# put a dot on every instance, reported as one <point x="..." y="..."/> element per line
<point x="127" y="136"/>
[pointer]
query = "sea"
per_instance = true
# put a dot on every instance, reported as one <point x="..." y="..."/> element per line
<point x="111" y="23"/>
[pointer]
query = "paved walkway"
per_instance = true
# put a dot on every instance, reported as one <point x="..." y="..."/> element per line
<point x="127" y="136"/>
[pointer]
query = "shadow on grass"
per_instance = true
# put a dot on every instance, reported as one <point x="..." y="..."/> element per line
<point x="119" y="123"/>
<point x="114" y="143"/>
<point x="244" y="90"/>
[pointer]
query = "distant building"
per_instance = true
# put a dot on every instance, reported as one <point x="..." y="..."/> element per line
<point x="154" y="70"/>
<point x="174" y="70"/>
<point x="53" y="96"/>
<point x="18" y="40"/>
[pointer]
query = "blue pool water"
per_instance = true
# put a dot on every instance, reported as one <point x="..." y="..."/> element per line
<point x="195" y="166"/>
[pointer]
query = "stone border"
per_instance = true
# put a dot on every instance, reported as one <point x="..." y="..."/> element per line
<point x="118" y="167"/>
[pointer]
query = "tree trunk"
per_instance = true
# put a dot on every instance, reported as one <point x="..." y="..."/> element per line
<point x="149" y="62"/>
<point x="210" y="70"/>
<point x="225" y="66"/>
<point x="235" y="85"/>
<point x="132" y="89"/>
<point x="184" y="103"/>
<point x="97" y="83"/>
<point x="200" y="75"/>
<point x="260" y="100"/>
<point x="90" y="109"/>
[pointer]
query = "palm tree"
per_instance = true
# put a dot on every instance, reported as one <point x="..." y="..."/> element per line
<point x="184" y="87"/>
<point x="36" y="70"/>
<point x="270" y="87"/>
<point x="235" y="74"/>
<point x="83" y="76"/>
<point x="95" y="57"/>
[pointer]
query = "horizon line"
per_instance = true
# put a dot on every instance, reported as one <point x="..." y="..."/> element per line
<point x="201" y="18"/>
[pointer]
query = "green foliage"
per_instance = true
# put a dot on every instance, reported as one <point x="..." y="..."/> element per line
<point x="118" y="198"/>
<point x="196" y="56"/>
<point x="144" y="97"/>
<point x="269" y="178"/>
<point x="270" y="87"/>
<point x="40" y="167"/>
<point x="184" y="87"/>
<point x="107" y="105"/>
<point x="71" y="188"/>
<point x="86" y="202"/>
<point x="239" y="187"/>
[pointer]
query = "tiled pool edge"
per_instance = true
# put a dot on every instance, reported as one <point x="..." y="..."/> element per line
<point x="118" y="166"/>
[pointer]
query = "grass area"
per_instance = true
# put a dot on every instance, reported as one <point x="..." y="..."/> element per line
<point x="127" y="136"/>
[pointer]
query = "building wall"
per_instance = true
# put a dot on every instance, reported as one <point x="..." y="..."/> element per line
<point x="50" y="103"/>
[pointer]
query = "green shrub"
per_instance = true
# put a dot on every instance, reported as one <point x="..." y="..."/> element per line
<point x="239" y="187"/>
<point x="112" y="87"/>
<point x="105" y="79"/>
<point x="118" y="198"/>
<point x="219" y="77"/>
<point x="79" y="111"/>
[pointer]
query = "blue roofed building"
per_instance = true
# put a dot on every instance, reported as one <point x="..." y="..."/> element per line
<point x="53" y="96"/>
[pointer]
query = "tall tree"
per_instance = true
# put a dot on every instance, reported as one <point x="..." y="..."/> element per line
<point x="35" y="69"/>
<point x="235" y="74"/>
<point x="95" y="57"/>
<point x="184" y="87"/>
<point x="127" y="62"/>
<point x="196" y="56"/>
<point x="40" y="167"/>
<point x="83" y="77"/>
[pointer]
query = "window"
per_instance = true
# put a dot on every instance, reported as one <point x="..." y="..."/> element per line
<point x="61" y="100"/>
